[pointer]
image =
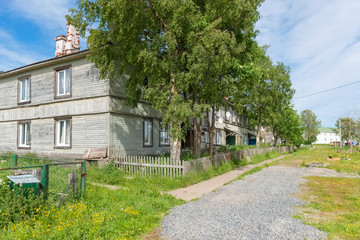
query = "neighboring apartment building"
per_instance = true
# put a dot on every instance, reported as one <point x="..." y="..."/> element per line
<point x="231" y="129"/>
<point x="60" y="108"/>
<point x="327" y="135"/>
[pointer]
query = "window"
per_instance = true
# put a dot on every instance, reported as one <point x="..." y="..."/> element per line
<point x="24" y="90"/>
<point x="205" y="136"/>
<point x="24" y="135"/>
<point x="227" y="115"/>
<point x="233" y="116"/>
<point x="218" y="138"/>
<point x="164" y="134"/>
<point x="63" y="133"/>
<point x="63" y="82"/>
<point x="148" y="133"/>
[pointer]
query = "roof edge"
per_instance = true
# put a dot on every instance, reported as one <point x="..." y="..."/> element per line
<point x="44" y="63"/>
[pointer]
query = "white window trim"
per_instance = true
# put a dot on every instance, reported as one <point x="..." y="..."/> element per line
<point x="24" y="132"/>
<point x="148" y="143"/>
<point x="27" y="89"/>
<point x="162" y="131"/>
<point x="66" y="71"/>
<point x="218" y="138"/>
<point x="57" y="140"/>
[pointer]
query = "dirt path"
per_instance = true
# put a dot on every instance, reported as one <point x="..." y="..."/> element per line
<point x="200" y="189"/>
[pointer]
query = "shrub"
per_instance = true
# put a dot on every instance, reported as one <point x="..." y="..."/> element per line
<point x="15" y="207"/>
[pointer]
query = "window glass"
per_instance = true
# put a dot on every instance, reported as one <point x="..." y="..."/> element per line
<point x="24" y="134"/>
<point x="25" y="90"/>
<point x="218" y="138"/>
<point x="164" y="134"/>
<point x="147" y="132"/>
<point x="63" y="132"/>
<point x="63" y="84"/>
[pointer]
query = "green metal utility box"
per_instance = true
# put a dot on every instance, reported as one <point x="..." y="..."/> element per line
<point x="23" y="184"/>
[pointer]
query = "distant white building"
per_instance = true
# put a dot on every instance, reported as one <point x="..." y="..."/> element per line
<point x="327" y="135"/>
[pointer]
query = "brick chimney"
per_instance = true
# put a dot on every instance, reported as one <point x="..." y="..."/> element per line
<point x="69" y="44"/>
<point x="60" y="45"/>
<point x="73" y="40"/>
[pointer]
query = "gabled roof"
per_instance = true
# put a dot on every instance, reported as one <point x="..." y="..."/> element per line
<point x="326" y="130"/>
<point x="44" y="63"/>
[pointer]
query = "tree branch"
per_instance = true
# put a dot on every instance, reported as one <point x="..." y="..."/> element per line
<point x="158" y="16"/>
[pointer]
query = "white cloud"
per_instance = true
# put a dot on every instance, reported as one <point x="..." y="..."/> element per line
<point x="47" y="14"/>
<point x="13" y="54"/>
<point x="320" y="42"/>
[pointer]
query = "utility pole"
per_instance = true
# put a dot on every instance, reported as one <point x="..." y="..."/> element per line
<point x="340" y="133"/>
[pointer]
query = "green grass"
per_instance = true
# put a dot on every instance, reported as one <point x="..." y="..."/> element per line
<point x="333" y="206"/>
<point x="321" y="153"/>
<point x="130" y="212"/>
<point x="126" y="213"/>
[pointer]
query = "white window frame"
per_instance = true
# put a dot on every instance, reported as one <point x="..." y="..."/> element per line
<point x="217" y="138"/>
<point x="147" y="133"/>
<point x="64" y="142"/>
<point x="65" y="82"/>
<point x="24" y="135"/>
<point x="24" y="90"/>
<point x="228" y="119"/>
<point x="164" y="137"/>
<point x="233" y="116"/>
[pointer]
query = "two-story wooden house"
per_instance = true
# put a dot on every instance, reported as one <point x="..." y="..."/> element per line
<point x="60" y="108"/>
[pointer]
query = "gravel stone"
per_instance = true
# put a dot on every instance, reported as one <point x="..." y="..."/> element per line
<point x="259" y="207"/>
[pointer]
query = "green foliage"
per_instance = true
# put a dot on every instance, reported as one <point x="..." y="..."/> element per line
<point x="235" y="148"/>
<point x="16" y="207"/>
<point x="180" y="55"/>
<point x="310" y="125"/>
<point x="350" y="128"/>
<point x="240" y="162"/>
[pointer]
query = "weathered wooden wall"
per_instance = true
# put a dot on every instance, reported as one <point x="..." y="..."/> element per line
<point x="88" y="106"/>
<point x="127" y="136"/>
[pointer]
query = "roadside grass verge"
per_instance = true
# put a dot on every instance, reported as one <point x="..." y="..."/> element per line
<point x="332" y="206"/>
<point x="130" y="212"/>
<point x="320" y="155"/>
<point x="253" y="170"/>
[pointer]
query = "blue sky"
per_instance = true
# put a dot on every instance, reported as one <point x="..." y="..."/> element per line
<point x="319" y="40"/>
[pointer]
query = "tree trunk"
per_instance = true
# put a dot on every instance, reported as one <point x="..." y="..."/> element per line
<point x="258" y="135"/>
<point x="175" y="149"/>
<point x="211" y="129"/>
<point x="175" y="141"/>
<point x="275" y="138"/>
<point x="197" y="137"/>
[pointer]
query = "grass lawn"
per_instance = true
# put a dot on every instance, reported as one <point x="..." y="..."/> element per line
<point x="131" y="211"/>
<point x="320" y="154"/>
<point x="332" y="204"/>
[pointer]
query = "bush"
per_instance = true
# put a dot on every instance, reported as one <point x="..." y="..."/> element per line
<point x="241" y="162"/>
<point x="15" y="207"/>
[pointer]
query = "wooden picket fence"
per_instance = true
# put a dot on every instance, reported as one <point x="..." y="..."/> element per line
<point x="147" y="165"/>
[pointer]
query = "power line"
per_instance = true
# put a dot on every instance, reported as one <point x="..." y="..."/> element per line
<point x="312" y="94"/>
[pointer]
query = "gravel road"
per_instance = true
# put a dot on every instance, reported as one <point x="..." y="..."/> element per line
<point x="258" y="207"/>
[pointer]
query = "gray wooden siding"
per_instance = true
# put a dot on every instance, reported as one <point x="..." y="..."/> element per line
<point x="8" y="136"/>
<point x="90" y="131"/>
<point x="127" y="136"/>
<point x="118" y="105"/>
<point x="69" y="107"/>
<point x="118" y="85"/>
<point x="85" y="84"/>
